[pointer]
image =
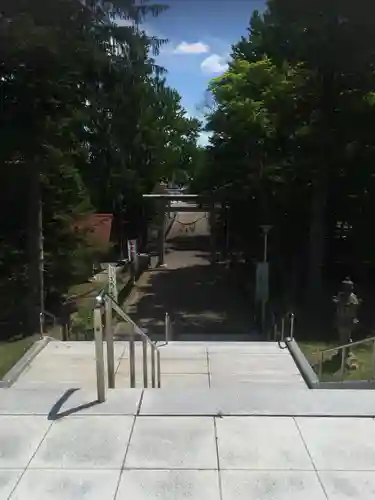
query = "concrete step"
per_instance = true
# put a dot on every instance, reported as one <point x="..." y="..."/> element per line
<point x="183" y="365"/>
<point x="247" y="400"/>
<point x="208" y="337"/>
<point x="174" y="445"/>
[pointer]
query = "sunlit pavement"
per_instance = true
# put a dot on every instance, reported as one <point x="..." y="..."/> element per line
<point x="232" y="420"/>
<point x="221" y="440"/>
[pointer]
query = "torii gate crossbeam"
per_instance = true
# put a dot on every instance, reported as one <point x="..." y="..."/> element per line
<point x="164" y="201"/>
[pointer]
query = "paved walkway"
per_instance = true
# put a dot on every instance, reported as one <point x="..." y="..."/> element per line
<point x="199" y="297"/>
<point x="263" y="436"/>
<point x="173" y="445"/>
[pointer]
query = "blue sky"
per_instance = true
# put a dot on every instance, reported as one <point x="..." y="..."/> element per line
<point x="200" y="34"/>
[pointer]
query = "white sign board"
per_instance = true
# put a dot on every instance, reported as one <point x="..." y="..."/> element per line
<point x="132" y="250"/>
<point x="261" y="290"/>
<point x="112" y="282"/>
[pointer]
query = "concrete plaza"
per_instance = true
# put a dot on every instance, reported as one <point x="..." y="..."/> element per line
<point x="252" y="431"/>
<point x="177" y="444"/>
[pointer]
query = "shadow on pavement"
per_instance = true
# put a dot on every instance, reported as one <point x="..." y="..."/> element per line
<point x="198" y="299"/>
<point x="186" y="243"/>
<point x="55" y="413"/>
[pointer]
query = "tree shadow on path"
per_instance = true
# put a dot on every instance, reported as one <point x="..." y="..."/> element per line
<point x="199" y="297"/>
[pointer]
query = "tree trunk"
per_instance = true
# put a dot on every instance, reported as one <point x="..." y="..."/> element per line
<point x="35" y="252"/>
<point x="317" y="236"/>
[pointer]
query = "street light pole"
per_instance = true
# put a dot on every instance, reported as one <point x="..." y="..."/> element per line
<point x="227" y="241"/>
<point x="41" y="268"/>
<point x="266" y="229"/>
<point x="35" y="251"/>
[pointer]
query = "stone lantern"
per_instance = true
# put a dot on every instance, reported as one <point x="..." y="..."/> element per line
<point x="347" y="304"/>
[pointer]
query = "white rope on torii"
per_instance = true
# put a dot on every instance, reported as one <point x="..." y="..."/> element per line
<point x="191" y="225"/>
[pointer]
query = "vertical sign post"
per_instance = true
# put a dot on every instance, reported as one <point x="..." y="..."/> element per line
<point x="262" y="289"/>
<point x="262" y="279"/>
<point x="133" y="258"/>
<point x="161" y="235"/>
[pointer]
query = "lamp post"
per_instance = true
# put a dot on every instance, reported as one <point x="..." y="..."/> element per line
<point x="41" y="268"/>
<point x="262" y="278"/>
<point x="266" y="229"/>
<point x="35" y="251"/>
<point x="120" y="225"/>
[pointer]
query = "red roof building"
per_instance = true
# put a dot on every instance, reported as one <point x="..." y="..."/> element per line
<point x="99" y="230"/>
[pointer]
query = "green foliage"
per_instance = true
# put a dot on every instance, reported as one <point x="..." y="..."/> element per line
<point x="87" y="125"/>
<point x="292" y="138"/>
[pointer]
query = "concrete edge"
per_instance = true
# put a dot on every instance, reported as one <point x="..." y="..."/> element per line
<point x="13" y="374"/>
<point x="308" y="374"/>
<point x="349" y="384"/>
<point x="130" y="288"/>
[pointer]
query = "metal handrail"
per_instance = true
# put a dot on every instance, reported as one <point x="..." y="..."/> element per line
<point x="350" y="344"/>
<point x="279" y="328"/>
<point x="106" y="300"/>
<point x="344" y="348"/>
<point x="43" y="315"/>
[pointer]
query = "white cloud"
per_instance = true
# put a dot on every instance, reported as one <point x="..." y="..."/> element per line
<point x="214" y="64"/>
<point x="204" y="138"/>
<point x="192" y="48"/>
<point x="125" y="22"/>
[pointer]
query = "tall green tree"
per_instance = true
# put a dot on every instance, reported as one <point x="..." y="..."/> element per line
<point x="88" y="124"/>
<point x="43" y="104"/>
<point x="295" y="110"/>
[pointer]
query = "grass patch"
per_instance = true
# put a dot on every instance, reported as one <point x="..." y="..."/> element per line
<point x="83" y="296"/>
<point x="331" y="371"/>
<point x="84" y="289"/>
<point x="311" y="350"/>
<point x="12" y="351"/>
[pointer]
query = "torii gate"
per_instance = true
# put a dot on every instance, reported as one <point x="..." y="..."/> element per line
<point x="203" y="204"/>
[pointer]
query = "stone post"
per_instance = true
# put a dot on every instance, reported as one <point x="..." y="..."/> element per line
<point x="212" y="224"/>
<point x="161" y="236"/>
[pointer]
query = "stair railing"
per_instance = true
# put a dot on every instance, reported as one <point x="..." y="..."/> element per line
<point x="281" y="327"/>
<point x="344" y="352"/>
<point x="103" y="330"/>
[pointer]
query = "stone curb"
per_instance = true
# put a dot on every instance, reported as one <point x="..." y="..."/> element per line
<point x="14" y="373"/>
<point x="348" y="384"/>
<point x="133" y="290"/>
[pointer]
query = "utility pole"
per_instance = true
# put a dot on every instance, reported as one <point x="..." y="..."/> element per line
<point x="41" y="265"/>
<point x="35" y="253"/>
<point x="121" y="224"/>
<point x="227" y="241"/>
